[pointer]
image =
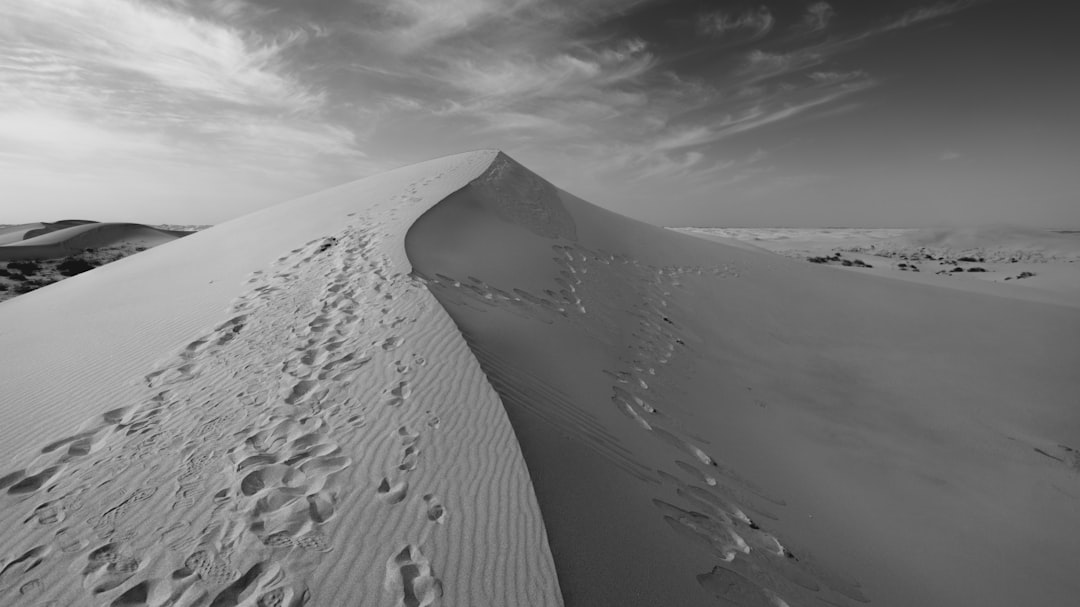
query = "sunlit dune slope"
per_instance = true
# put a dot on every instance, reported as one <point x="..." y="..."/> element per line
<point x="708" y="425"/>
<point x="270" y="412"/>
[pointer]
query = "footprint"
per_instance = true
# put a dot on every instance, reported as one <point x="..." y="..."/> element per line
<point x="314" y="540"/>
<point x="46" y="514"/>
<point x="32" y="483"/>
<point x="23" y="564"/>
<point x="402" y="390"/>
<point x="409" y="459"/>
<point x="206" y="566"/>
<point x="299" y="391"/>
<point x="231" y="595"/>
<point x="107" y="568"/>
<point x="320" y="507"/>
<point x="136" y="596"/>
<point x="730" y="586"/>
<point x="31" y="588"/>
<point x="436" y="513"/>
<point x="395" y="493"/>
<point x="410" y="578"/>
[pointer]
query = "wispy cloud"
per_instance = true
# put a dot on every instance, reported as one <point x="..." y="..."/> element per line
<point x="836" y="77"/>
<point x="817" y="17"/>
<point x="928" y="13"/>
<point x="761" y="65"/>
<point x="126" y="82"/>
<point x="563" y="74"/>
<point x="747" y="26"/>
<point x="123" y="39"/>
<point x="304" y="89"/>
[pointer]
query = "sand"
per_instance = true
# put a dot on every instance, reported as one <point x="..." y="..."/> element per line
<point x="1022" y="263"/>
<point x="39" y="254"/>
<point x="51" y="241"/>
<point x="455" y="384"/>
<point x="269" y="412"/>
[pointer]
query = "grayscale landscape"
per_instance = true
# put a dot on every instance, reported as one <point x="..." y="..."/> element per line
<point x="501" y="303"/>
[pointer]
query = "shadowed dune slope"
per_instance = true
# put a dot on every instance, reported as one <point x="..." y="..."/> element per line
<point x="45" y="243"/>
<point x="710" y="425"/>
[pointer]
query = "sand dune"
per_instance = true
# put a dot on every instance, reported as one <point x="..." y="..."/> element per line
<point x="313" y="431"/>
<point x="746" y="429"/>
<point x="455" y="384"/>
<point x="60" y="239"/>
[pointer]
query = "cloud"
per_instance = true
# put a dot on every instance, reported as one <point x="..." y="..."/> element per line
<point x="836" y="77"/>
<point x="746" y="27"/>
<point x="513" y="76"/>
<point x="817" y="17"/>
<point x="761" y="65"/>
<point x="123" y="40"/>
<point x="118" y="87"/>
<point x="928" y="13"/>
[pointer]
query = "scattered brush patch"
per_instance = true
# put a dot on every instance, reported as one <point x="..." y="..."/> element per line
<point x="23" y="276"/>
<point x="26" y="268"/>
<point x="836" y="258"/>
<point x="1021" y="276"/>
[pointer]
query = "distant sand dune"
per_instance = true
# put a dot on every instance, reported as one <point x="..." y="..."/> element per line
<point x="59" y="240"/>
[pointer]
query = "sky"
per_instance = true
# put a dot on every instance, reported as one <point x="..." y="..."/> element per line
<point x="883" y="113"/>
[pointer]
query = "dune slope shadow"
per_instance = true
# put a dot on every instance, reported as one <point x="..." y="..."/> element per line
<point x="708" y="425"/>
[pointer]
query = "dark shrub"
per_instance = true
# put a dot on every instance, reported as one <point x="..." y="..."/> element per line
<point x="4" y="272"/>
<point x="72" y="266"/>
<point x="976" y="269"/>
<point x="968" y="259"/>
<point x="957" y="270"/>
<point x="1025" y="275"/>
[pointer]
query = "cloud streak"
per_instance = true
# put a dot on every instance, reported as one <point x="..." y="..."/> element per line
<point x="748" y="26"/>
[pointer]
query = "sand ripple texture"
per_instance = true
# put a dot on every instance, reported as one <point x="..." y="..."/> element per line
<point x="328" y="440"/>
